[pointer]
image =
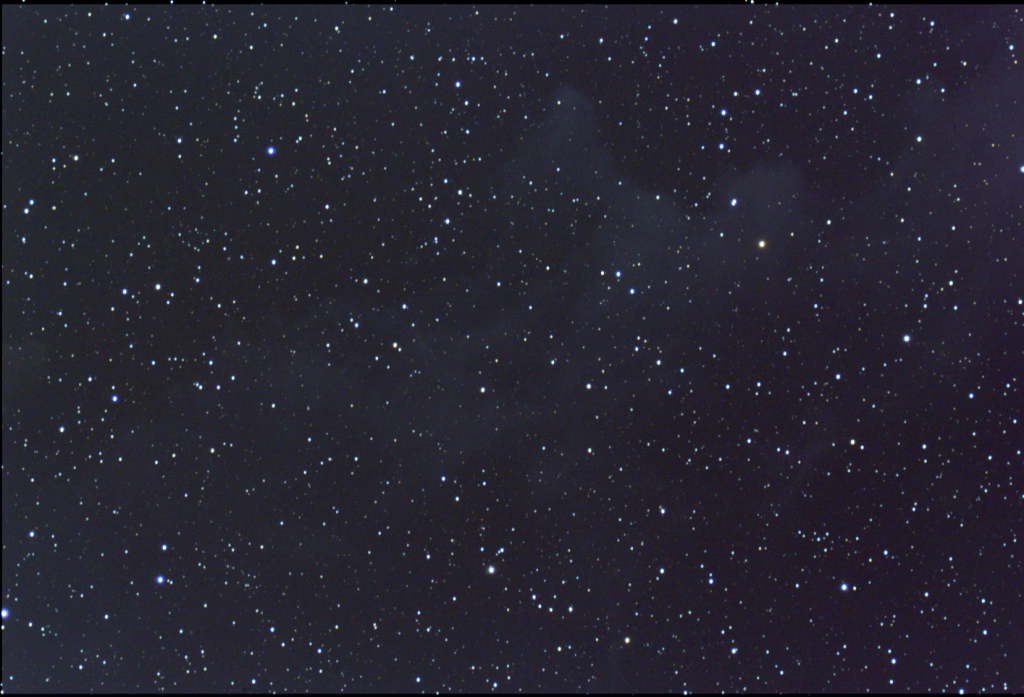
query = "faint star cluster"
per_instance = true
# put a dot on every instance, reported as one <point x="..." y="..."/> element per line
<point x="518" y="349"/>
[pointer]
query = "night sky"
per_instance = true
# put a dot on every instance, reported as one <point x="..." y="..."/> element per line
<point x="514" y="350"/>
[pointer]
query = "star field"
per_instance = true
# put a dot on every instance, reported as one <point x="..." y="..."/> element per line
<point x="513" y="349"/>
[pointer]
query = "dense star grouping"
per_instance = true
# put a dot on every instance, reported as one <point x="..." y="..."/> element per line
<point x="516" y="350"/>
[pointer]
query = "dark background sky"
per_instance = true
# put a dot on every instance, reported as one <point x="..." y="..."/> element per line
<point x="473" y="349"/>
